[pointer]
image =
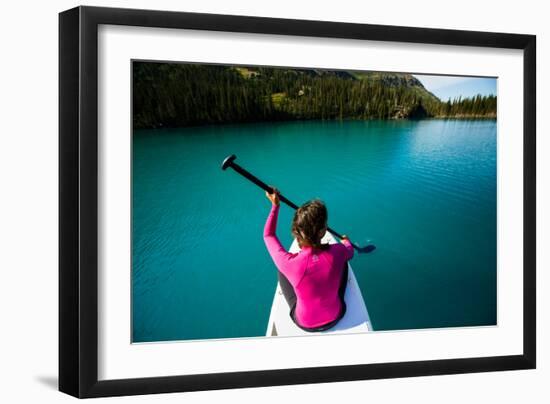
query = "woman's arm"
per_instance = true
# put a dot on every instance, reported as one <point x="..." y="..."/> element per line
<point x="281" y="257"/>
<point x="270" y="227"/>
<point x="349" y="247"/>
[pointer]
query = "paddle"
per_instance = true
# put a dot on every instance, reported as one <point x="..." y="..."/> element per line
<point x="230" y="162"/>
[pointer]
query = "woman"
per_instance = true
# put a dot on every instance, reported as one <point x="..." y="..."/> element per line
<point x="313" y="280"/>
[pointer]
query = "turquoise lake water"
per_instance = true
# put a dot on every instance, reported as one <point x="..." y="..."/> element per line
<point x="424" y="192"/>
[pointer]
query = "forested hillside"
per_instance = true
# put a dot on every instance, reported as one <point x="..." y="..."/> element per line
<point x="174" y="95"/>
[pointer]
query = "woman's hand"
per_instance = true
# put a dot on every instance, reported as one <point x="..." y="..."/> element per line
<point x="273" y="197"/>
<point x="344" y="237"/>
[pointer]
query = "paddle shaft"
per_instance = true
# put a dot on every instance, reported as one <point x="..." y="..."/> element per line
<point x="282" y="198"/>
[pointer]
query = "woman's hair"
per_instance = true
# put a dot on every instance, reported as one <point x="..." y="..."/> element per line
<point x="309" y="221"/>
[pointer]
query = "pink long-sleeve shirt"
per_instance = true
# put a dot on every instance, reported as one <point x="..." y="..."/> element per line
<point x="314" y="274"/>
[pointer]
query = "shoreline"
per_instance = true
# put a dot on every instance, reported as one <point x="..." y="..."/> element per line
<point x="439" y="117"/>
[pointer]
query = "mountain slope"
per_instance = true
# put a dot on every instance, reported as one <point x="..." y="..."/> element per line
<point x="171" y="95"/>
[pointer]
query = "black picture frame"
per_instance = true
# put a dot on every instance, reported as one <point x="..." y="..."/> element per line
<point x="78" y="200"/>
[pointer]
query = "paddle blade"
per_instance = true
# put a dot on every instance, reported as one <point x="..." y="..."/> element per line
<point x="367" y="249"/>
